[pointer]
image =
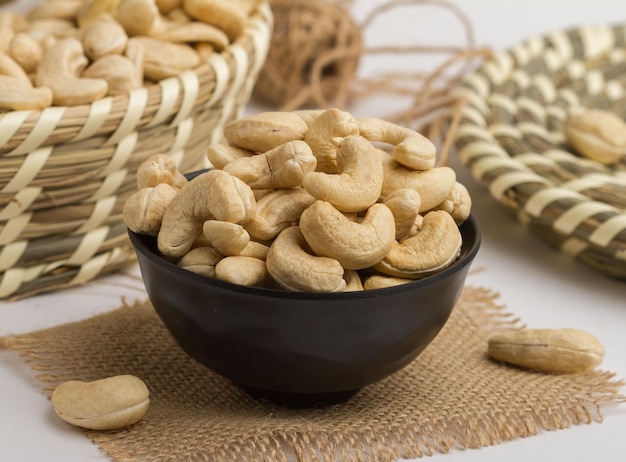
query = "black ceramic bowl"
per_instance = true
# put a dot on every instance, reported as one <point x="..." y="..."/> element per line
<point x="302" y="348"/>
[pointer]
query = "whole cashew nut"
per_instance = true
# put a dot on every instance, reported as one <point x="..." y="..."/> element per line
<point x="433" y="185"/>
<point x="264" y="131"/>
<point x="436" y="245"/>
<point x="60" y="68"/>
<point x="325" y="135"/>
<point x="159" y="168"/>
<point x="245" y="271"/>
<point x="378" y="281"/>
<point x="359" y="181"/>
<point x="294" y="268"/>
<point x="276" y="211"/>
<point x="411" y="149"/>
<point x="211" y="195"/>
<point x="201" y="260"/>
<point x="458" y="203"/>
<point x="143" y="211"/>
<point x="227" y="238"/>
<point x="220" y="155"/>
<point x="355" y="245"/>
<point x="281" y="167"/>
<point x="405" y="206"/>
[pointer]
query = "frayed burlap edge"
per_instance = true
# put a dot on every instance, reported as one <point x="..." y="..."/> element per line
<point x="381" y="423"/>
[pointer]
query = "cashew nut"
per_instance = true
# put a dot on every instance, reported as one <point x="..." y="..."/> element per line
<point x="264" y="131"/>
<point x="222" y="154"/>
<point x="255" y="250"/>
<point x="227" y="238"/>
<point x="165" y="59"/>
<point x="211" y="195"/>
<point x="118" y="71"/>
<point x="359" y="181"/>
<point x="137" y="17"/>
<point x="143" y="211"/>
<point x="276" y="211"/>
<point x="159" y="168"/>
<point x="60" y="68"/>
<point x="405" y="206"/>
<point x="411" y="149"/>
<point x="10" y="68"/>
<point x="57" y="9"/>
<point x="102" y="38"/>
<point x="377" y="281"/>
<point x="458" y="203"/>
<point x="191" y="32"/>
<point x="433" y="185"/>
<point x="245" y="271"/>
<point x="95" y="10"/>
<point x="16" y="95"/>
<point x="353" y="281"/>
<point x="200" y="260"/>
<point x="105" y="404"/>
<point x="227" y="15"/>
<point x="281" y="167"/>
<point x="436" y="246"/>
<point x="26" y="51"/>
<point x="355" y="245"/>
<point x="292" y="266"/>
<point x="325" y="135"/>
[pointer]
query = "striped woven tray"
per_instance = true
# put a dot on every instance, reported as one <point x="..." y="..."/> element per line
<point x="511" y="137"/>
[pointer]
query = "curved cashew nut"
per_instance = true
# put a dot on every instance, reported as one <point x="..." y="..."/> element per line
<point x="411" y="149"/>
<point x="433" y="185"/>
<point x="60" y="68"/>
<point x="159" y="168"/>
<point x="226" y="15"/>
<point x="436" y="246"/>
<point x="355" y="245"/>
<point x="17" y="95"/>
<point x="227" y="238"/>
<point x="359" y="181"/>
<point x="144" y="209"/>
<point x="294" y="268"/>
<point x="281" y="167"/>
<point x="220" y="155"/>
<point x="325" y="135"/>
<point x="11" y="68"/>
<point x="276" y="211"/>
<point x="201" y="260"/>
<point x="458" y="203"/>
<point x="405" y="206"/>
<point x="245" y="271"/>
<point x="263" y="132"/>
<point x="211" y="195"/>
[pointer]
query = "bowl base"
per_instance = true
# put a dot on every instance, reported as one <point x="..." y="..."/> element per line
<point x="299" y="400"/>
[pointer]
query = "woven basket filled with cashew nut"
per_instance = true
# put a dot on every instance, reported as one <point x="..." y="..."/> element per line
<point x="312" y="201"/>
<point x="89" y="89"/>
<point x="544" y="129"/>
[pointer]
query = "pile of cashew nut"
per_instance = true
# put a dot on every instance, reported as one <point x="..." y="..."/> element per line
<point x="314" y="201"/>
<point x="72" y="52"/>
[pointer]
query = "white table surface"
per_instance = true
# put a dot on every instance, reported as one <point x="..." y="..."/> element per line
<point x="543" y="287"/>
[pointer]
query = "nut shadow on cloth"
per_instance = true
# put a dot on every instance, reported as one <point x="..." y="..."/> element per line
<point x="451" y="397"/>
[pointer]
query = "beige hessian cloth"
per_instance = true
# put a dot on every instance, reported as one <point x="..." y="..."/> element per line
<point x="451" y="396"/>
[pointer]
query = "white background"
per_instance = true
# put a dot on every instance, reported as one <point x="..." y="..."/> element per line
<point x="543" y="287"/>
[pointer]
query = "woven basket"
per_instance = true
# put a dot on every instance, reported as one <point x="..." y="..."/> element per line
<point x="65" y="172"/>
<point x="512" y="140"/>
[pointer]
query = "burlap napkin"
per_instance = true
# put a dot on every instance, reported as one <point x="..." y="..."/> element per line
<point x="451" y="396"/>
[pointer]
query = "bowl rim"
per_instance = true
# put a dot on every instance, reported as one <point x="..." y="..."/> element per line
<point x="466" y="258"/>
